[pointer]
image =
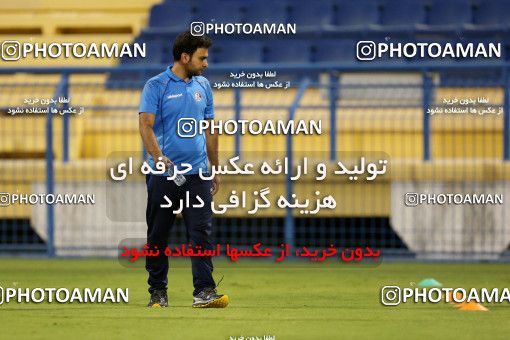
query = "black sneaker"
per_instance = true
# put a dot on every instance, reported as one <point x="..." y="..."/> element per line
<point x="158" y="299"/>
<point x="208" y="298"/>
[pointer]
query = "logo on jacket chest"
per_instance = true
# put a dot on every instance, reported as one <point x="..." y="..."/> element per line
<point x="173" y="96"/>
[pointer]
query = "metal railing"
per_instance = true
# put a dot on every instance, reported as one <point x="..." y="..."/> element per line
<point x="333" y="87"/>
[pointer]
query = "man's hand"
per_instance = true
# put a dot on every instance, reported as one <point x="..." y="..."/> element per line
<point x="215" y="184"/>
<point x="211" y="141"/>
<point x="146" y="127"/>
<point x="164" y="159"/>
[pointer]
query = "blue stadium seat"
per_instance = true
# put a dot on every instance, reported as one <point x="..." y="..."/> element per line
<point x="452" y="15"/>
<point x="258" y="12"/>
<point x="219" y="11"/>
<point x="288" y="51"/>
<point x="491" y="15"/>
<point x="134" y="79"/>
<point x="238" y="52"/>
<point x="354" y="16"/>
<point x="171" y="17"/>
<point x="403" y="16"/>
<point x="335" y="51"/>
<point x="311" y="17"/>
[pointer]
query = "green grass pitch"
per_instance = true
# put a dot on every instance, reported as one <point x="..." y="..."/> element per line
<point x="288" y="300"/>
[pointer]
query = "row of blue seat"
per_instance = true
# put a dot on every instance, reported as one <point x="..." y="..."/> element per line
<point x="339" y="15"/>
<point x="267" y="51"/>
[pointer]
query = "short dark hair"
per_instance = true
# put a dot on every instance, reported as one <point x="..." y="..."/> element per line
<point x="188" y="43"/>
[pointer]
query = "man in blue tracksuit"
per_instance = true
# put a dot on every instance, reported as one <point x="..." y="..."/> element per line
<point x="180" y="95"/>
